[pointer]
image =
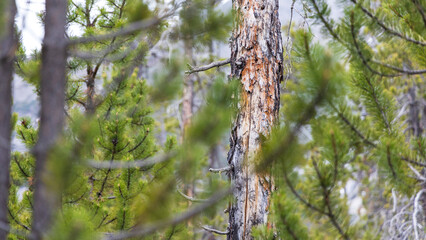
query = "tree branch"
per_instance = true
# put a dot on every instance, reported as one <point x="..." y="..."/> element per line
<point x="408" y="72"/>
<point x="140" y="231"/>
<point x="387" y="29"/>
<point x="131" y="164"/>
<point x="209" y="229"/>
<point x="208" y="66"/>
<point x="220" y="170"/>
<point x="192" y="199"/>
<point x="129" y="29"/>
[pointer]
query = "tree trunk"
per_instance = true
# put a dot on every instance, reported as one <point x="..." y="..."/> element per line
<point x="256" y="59"/>
<point x="8" y="46"/>
<point x="47" y="201"/>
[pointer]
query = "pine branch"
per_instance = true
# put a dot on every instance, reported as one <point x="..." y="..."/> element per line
<point x="326" y="23"/>
<point x="352" y="126"/>
<point x="420" y="10"/>
<point x="208" y="66"/>
<point x="17" y="221"/>
<point x="326" y="193"/>
<point x="361" y="55"/>
<point x="129" y="29"/>
<point x="5" y="227"/>
<point x="408" y="72"/>
<point x="420" y="164"/>
<point x="388" y="157"/>
<point x="298" y="196"/>
<point x="386" y="28"/>
<point x="140" y="231"/>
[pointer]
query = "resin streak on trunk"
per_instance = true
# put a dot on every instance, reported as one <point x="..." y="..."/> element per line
<point x="256" y="60"/>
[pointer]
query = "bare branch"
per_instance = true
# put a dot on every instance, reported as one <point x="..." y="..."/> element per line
<point x="220" y="170"/>
<point x="419" y="176"/>
<point x="208" y="66"/>
<point x="192" y="199"/>
<point x="416" y="210"/>
<point x="131" y="164"/>
<point x="212" y="230"/>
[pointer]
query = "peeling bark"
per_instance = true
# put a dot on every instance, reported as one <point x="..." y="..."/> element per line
<point x="52" y="113"/>
<point x="257" y="60"/>
<point x="8" y="46"/>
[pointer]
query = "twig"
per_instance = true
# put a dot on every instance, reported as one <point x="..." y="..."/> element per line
<point x="394" y="200"/>
<point x="220" y="170"/>
<point x="416" y="210"/>
<point x="208" y="66"/>
<point x="288" y="47"/>
<point x="192" y="199"/>
<point x="209" y="229"/>
<point x="419" y="176"/>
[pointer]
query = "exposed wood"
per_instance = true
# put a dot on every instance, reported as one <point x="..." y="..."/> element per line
<point x="8" y="46"/>
<point x="257" y="60"/>
<point x="52" y="113"/>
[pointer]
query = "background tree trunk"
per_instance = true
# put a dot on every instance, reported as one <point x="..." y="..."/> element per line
<point x="7" y="56"/>
<point x="53" y="65"/>
<point x="256" y="59"/>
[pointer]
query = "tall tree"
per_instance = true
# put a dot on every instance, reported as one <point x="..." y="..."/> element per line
<point x="52" y="113"/>
<point x="8" y="46"/>
<point x="256" y="59"/>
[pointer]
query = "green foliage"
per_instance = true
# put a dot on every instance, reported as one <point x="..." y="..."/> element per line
<point x="340" y="123"/>
<point x="356" y="129"/>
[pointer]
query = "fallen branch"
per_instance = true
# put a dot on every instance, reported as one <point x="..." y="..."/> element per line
<point x="207" y="67"/>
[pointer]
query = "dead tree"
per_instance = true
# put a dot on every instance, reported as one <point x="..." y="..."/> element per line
<point x="257" y="61"/>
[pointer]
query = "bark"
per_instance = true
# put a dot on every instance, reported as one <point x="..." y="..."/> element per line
<point x="8" y="46"/>
<point x="47" y="201"/>
<point x="257" y="60"/>
<point x="187" y="106"/>
<point x="188" y="91"/>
